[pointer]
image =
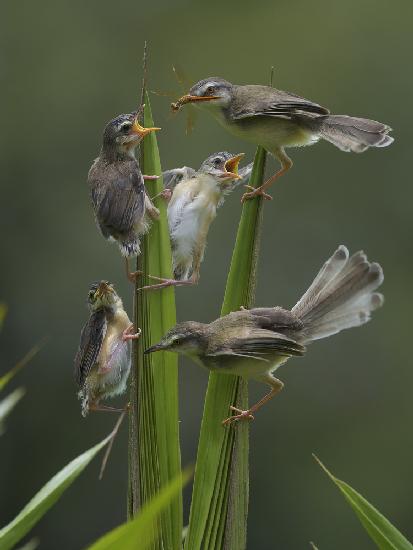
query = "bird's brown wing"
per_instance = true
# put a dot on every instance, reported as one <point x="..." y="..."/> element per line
<point x="91" y="339"/>
<point x="118" y="196"/>
<point x="252" y="101"/>
<point x="258" y="344"/>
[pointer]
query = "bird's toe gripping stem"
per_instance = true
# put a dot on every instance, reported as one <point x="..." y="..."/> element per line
<point x="242" y="415"/>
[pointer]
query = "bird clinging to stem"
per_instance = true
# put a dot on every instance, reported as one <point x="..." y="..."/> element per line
<point x="122" y="207"/>
<point x="193" y="199"/>
<point x="254" y="343"/>
<point x="103" y="360"/>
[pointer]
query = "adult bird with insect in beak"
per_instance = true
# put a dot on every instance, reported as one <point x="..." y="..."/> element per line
<point x="276" y="120"/>
<point x="192" y="207"/>
<point x="103" y="360"/>
<point x="122" y="207"/>
<point x="254" y="343"/>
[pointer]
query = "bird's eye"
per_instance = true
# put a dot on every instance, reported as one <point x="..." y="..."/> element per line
<point x="217" y="161"/>
<point x="210" y="89"/>
<point x="126" y="126"/>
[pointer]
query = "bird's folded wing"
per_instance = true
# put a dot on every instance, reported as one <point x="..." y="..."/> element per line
<point x="91" y="339"/>
<point x="273" y="103"/>
<point x="122" y="203"/>
<point x="258" y="343"/>
<point x="171" y="178"/>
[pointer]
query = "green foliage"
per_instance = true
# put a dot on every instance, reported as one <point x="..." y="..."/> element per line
<point x="220" y="497"/>
<point x="5" y="379"/>
<point x="143" y="527"/>
<point x="8" y="403"/>
<point x="381" y="531"/>
<point x="154" y="453"/>
<point x="12" y="533"/>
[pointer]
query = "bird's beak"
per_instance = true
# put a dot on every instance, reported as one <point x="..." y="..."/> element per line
<point x="191" y="99"/>
<point x="140" y="131"/>
<point x="231" y="167"/>
<point x="157" y="347"/>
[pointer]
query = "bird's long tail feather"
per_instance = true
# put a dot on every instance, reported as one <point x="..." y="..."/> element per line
<point x="341" y="296"/>
<point x="354" y="134"/>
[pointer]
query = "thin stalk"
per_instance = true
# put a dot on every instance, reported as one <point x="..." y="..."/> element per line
<point x="154" y="453"/>
<point x="219" y="506"/>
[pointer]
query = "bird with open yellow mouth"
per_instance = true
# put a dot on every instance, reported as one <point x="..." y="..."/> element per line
<point x="193" y="201"/>
<point x="123" y="209"/>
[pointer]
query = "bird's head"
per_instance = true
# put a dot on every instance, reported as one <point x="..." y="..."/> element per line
<point x="209" y="92"/>
<point x="222" y="165"/>
<point x="124" y="133"/>
<point x="102" y="294"/>
<point x="187" y="338"/>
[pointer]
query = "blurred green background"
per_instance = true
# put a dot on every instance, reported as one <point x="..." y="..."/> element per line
<point x="66" y="68"/>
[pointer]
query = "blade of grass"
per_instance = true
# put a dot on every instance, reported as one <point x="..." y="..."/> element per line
<point x="7" y="405"/>
<point x="143" y="527"/>
<point x="219" y="505"/>
<point x="12" y="533"/>
<point x="5" y="379"/>
<point x="3" y="313"/>
<point x="380" y="530"/>
<point x="154" y="453"/>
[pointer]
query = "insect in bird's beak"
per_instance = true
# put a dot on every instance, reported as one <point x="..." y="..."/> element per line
<point x="190" y="99"/>
<point x="140" y="130"/>
<point x="157" y="347"/>
<point x="231" y="167"/>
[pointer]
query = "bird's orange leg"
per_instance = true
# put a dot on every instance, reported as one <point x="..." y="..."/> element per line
<point x="286" y="164"/>
<point x="276" y="387"/>
<point x="104" y="408"/>
<point x="131" y="275"/>
<point x="165" y="283"/>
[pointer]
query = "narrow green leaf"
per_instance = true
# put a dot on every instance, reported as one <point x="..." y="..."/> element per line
<point x="143" y="527"/>
<point x="3" y="313"/>
<point x="7" y="405"/>
<point x="219" y="506"/>
<point x="12" y="533"/>
<point x="381" y="531"/>
<point x="154" y="452"/>
<point x="5" y="379"/>
<point x="31" y="545"/>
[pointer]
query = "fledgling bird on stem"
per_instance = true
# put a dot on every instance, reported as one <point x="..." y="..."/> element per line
<point x="122" y="207"/>
<point x="103" y="360"/>
<point x="254" y="343"/>
<point x="276" y="120"/>
<point x="193" y="200"/>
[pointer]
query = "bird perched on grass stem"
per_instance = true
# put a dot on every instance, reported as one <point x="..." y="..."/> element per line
<point x="254" y="343"/>
<point x="276" y="120"/>
<point x="193" y="200"/>
<point x="122" y="207"/>
<point x="103" y="360"/>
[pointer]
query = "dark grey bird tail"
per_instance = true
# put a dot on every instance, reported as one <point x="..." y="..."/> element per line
<point x="341" y="296"/>
<point x="129" y="245"/>
<point x="354" y="134"/>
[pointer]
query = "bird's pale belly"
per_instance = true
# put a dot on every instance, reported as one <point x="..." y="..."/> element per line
<point x="271" y="133"/>
<point x="245" y="366"/>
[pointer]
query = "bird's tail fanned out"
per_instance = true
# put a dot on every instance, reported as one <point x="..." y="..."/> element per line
<point x="354" y="134"/>
<point x="341" y="296"/>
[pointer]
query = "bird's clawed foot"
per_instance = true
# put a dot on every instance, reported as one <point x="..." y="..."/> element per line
<point x="129" y="334"/>
<point x="242" y="415"/>
<point x="255" y="192"/>
<point x="105" y="408"/>
<point x="150" y="178"/>
<point x="165" y="283"/>
<point x="166" y="195"/>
